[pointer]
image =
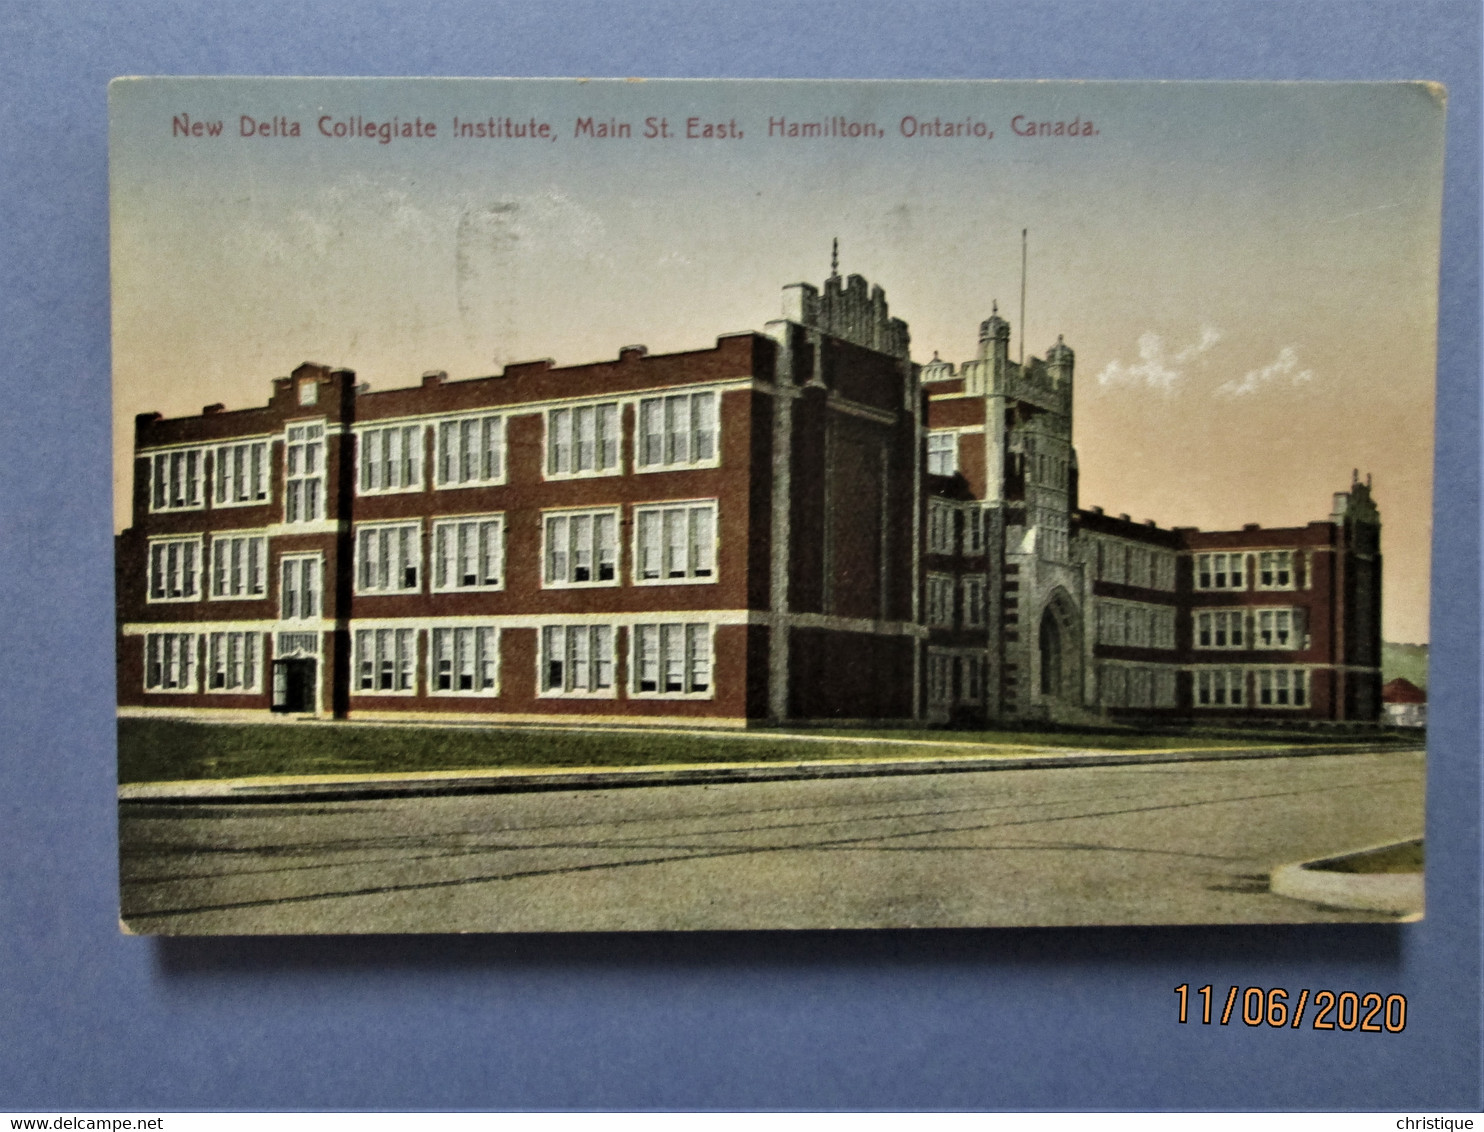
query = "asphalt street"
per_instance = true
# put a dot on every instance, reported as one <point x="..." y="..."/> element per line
<point x="1152" y="844"/>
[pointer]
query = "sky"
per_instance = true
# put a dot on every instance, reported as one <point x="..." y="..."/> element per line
<point x="1246" y="271"/>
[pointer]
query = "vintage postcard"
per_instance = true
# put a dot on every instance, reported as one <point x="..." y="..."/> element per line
<point x="618" y="505"/>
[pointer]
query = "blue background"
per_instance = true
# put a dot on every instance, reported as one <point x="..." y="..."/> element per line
<point x="946" y="1019"/>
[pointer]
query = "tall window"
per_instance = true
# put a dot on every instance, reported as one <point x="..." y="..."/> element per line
<point x="1219" y="572"/>
<point x="974" y="602"/>
<point x="582" y="548"/>
<point x="389" y="558"/>
<point x="940" y="600"/>
<point x="677" y="431"/>
<point x="1275" y="570"/>
<point x="675" y="543"/>
<point x="465" y="660"/>
<point x="174" y="569"/>
<point x="299" y="589"/>
<point x="1278" y="629"/>
<point x="942" y="453"/>
<point x="468" y="553"/>
<point x="582" y="441"/>
<point x="1221" y="629"/>
<point x="239" y="566"/>
<point x="304" y="474"/>
<point x="241" y="473"/>
<point x="939" y="678"/>
<point x="941" y="536"/>
<point x="391" y="459"/>
<point x="175" y="480"/>
<point x="672" y="659"/>
<point x="577" y="660"/>
<point x="233" y="661"/>
<point x="170" y="662"/>
<point x="386" y="660"/>
<point x="1219" y="687"/>
<point x="471" y="451"/>
<point x="974" y="530"/>
<point x="1283" y="687"/>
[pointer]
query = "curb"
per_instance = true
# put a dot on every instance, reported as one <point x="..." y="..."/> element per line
<point x="336" y="788"/>
<point x="1398" y="894"/>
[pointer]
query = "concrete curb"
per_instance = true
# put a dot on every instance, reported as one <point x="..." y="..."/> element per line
<point x="1398" y="894"/>
<point x="336" y="788"/>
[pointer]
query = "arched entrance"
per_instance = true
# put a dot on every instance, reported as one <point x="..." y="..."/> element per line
<point x="1060" y="645"/>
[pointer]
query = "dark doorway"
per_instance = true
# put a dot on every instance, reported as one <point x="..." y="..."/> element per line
<point x="293" y="685"/>
<point x="1051" y="674"/>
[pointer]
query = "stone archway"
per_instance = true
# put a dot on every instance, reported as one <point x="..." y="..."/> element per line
<point x="1059" y="643"/>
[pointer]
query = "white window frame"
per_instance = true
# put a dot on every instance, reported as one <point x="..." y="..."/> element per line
<point x="665" y="411"/>
<point x="665" y="649"/>
<point x="449" y="554"/>
<point x="237" y="656"/>
<point x="244" y="466"/>
<point x="974" y="529"/>
<point x="470" y="650"/>
<point x="941" y="533"/>
<point x="583" y="441"/>
<point x="939" y="678"/>
<point x="300" y="613"/>
<point x="598" y="645"/>
<point x="1223" y="570"/>
<point x="971" y="679"/>
<point x="384" y="650"/>
<point x="305" y="447"/>
<point x="158" y="567"/>
<point x="452" y="467"/>
<point x="1222" y="687"/>
<point x="1286" y="688"/>
<point x="1215" y="629"/>
<point x="941" y="444"/>
<point x="185" y="467"/>
<point x="1275" y="570"/>
<point x="698" y="546"/>
<point x="1284" y="626"/>
<point x="940" y="595"/>
<point x="228" y="567"/>
<point x="389" y="458"/>
<point x="397" y="547"/>
<point x="184" y="663"/>
<point x="549" y="540"/>
<point x="975" y="588"/>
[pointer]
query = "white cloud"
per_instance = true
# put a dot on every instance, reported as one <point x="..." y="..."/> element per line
<point x="1284" y="366"/>
<point x="1157" y="367"/>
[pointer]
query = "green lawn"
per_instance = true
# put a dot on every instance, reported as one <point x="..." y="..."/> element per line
<point x="152" y="750"/>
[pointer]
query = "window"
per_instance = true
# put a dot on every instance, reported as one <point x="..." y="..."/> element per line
<point x="233" y="661"/>
<point x="175" y="480"/>
<point x="941" y="534"/>
<point x="174" y="569"/>
<point x="582" y="548"/>
<point x="1283" y="687"/>
<point x="465" y="660"/>
<point x="1222" y="629"/>
<point x="386" y="660"/>
<point x="675" y="543"/>
<point x="971" y="691"/>
<point x="939" y="678"/>
<point x="582" y="441"/>
<point x="468" y="554"/>
<point x="940" y="600"/>
<point x="239" y="566"/>
<point x="672" y="659"/>
<point x="1219" y="572"/>
<point x="942" y="453"/>
<point x="1278" y="629"/>
<point x="388" y="558"/>
<point x="471" y="451"/>
<point x="300" y="589"/>
<point x="1115" y="686"/>
<point x="391" y="459"/>
<point x="1164" y="687"/>
<point x="304" y="470"/>
<point x="170" y="662"/>
<point x="974" y="531"/>
<point x="677" y="431"/>
<point x="577" y="660"/>
<point x="974" y="602"/>
<point x="241" y="473"/>
<point x="1219" y="687"/>
<point x="1275" y="570"/>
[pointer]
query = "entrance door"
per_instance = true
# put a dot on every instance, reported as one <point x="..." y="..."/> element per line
<point x="293" y="685"/>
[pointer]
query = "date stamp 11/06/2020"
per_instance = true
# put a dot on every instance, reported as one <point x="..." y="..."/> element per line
<point x="1370" y="1013"/>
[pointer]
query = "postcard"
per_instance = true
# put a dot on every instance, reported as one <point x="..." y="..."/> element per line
<point x="568" y="505"/>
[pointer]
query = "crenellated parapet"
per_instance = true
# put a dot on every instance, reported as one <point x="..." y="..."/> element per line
<point x="848" y="309"/>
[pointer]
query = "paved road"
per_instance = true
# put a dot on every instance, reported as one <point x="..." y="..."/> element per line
<point x="1164" y="843"/>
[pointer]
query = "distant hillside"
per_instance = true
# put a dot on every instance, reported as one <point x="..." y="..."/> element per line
<point x="1409" y="661"/>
